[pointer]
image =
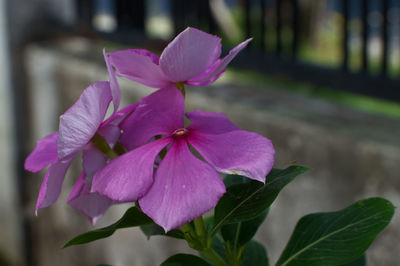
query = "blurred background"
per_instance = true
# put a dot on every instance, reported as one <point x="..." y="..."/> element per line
<point x="320" y="79"/>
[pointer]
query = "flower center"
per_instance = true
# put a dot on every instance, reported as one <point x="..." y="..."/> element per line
<point x="180" y="132"/>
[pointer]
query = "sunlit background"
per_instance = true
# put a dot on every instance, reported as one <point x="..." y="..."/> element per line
<point x="321" y="79"/>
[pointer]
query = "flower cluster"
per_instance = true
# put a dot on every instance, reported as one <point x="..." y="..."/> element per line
<point x="144" y="152"/>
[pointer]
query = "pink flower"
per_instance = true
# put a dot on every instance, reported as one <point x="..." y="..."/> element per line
<point x="184" y="186"/>
<point x="191" y="58"/>
<point x="77" y="127"/>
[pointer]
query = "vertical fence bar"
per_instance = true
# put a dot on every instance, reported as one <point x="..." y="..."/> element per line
<point x="295" y="27"/>
<point x="204" y="16"/>
<point x="345" y="50"/>
<point x="123" y="15"/>
<point x="210" y="19"/>
<point x="278" y="27"/>
<point x="84" y="12"/>
<point x="199" y="6"/>
<point x="178" y="12"/>
<point x="139" y="15"/>
<point x="247" y="18"/>
<point x="364" y="36"/>
<point x="262" y="26"/>
<point x="192" y="14"/>
<point x="385" y="7"/>
<point x="131" y="14"/>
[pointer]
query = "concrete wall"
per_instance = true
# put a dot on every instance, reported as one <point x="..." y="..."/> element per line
<point x="353" y="155"/>
<point x="9" y="233"/>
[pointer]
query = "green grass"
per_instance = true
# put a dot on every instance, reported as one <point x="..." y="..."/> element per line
<point x="355" y="101"/>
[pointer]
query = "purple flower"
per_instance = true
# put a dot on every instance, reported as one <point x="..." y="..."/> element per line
<point x="184" y="186"/>
<point x="191" y="58"/>
<point x="78" y="125"/>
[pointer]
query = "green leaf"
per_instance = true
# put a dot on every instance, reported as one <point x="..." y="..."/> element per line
<point x="254" y="255"/>
<point x="153" y="230"/>
<point x="337" y="237"/>
<point x="231" y="180"/>
<point x="184" y="260"/>
<point x="361" y="261"/>
<point x="246" y="201"/>
<point x="243" y="232"/>
<point x="132" y="217"/>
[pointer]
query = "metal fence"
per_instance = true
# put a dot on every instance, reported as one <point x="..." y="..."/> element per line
<point x="131" y="17"/>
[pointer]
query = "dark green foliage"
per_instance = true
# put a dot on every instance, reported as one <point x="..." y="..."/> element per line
<point x="339" y="237"/>
<point x="132" y="217"/>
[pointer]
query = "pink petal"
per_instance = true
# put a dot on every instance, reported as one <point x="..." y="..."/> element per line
<point x="80" y="122"/>
<point x="119" y="116"/>
<point x="209" y="122"/>
<point x="140" y="66"/>
<point x="184" y="188"/>
<point x="160" y="113"/>
<point x="51" y="186"/>
<point x="189" y="54"/>
<point x="115" y="90"/>
<point x="78" y="188"/>
<point x="206" y="81"/>
<point x="128" y="177"/>
<point x="92" y="205"/>
<point x="92" y="160"/>
<point x="44" y="153"/>
<point x="110" y="133"/>
<point x="207" y="72"/>
<point x="236" y="152"/>
<point x="110" y="129"/>
<point x="220" y="68"/>
<point x="155" y="58"/>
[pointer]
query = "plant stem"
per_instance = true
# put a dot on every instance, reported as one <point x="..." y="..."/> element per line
<point x="214" y="257"/>
<point x="101" y="143"/>
<point x="181" y="87"/>
<point x="197" y="238"/>
<point x="235" y="244"/>
<point x="186" y="228"/>
<point x="201" y="230"/>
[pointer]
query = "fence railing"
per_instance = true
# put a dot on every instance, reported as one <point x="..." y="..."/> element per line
<point x="131" y="16"/>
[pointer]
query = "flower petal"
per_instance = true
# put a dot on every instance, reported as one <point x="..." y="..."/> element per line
<point x="128" y="177"/>
<point x="184" y="188"/>
<point x="51" y="186"/>
<point x="160" y="113"/>
<point x="140" y="66"/>
<point x="92" y="160"/>
<point x="189" y="54"/>
<point x="44" y="153"/>
<point x="205" y="81"/>
<point x="220" y="68"/>
<point x="110" y="129"/>
<point x="119" y="116"/>
<point x="115" y="90"/>
<point x="205" y="74"/>
<point x="210" y="122"/>
<point x="110" y="133"/>
<point x="80" y="122"/>
<point x="78" y="188"/>
<point x="236" y="152"/>
<point x="92" y="205"/>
